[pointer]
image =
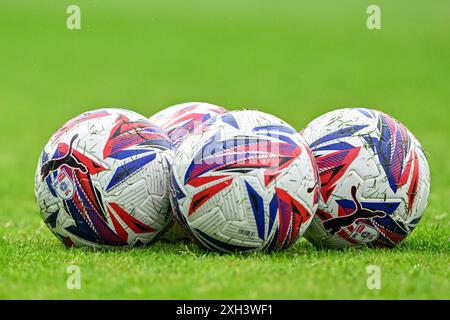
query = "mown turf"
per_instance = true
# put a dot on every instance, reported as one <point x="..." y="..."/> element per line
<point x="289" y="58"/>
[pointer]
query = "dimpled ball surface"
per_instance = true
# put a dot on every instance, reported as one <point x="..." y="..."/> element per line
<point x="180" y="120"/>
<point x="102" y="180"/>
<point x="247" y="183"/>
<point x="374" y="177"/>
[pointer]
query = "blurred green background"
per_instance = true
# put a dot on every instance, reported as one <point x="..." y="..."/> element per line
<point x="295" y="59"/>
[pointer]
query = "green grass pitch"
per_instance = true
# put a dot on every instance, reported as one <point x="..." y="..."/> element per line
<point x="290" y="58"/>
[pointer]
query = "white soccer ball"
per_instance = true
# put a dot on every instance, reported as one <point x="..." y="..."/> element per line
<point x="103" y="180"/>
<point x="374" y="177"/>
<point x="246" y="183"/>
<point x="179" y="121"/>
<point x="182" y="119"/>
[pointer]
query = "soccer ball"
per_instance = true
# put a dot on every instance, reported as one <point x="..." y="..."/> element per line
<point x="103" y="180"/>
<point x="374" y="178"/>
<point x="180" y="120"/>
<point x="247" y="183"/>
